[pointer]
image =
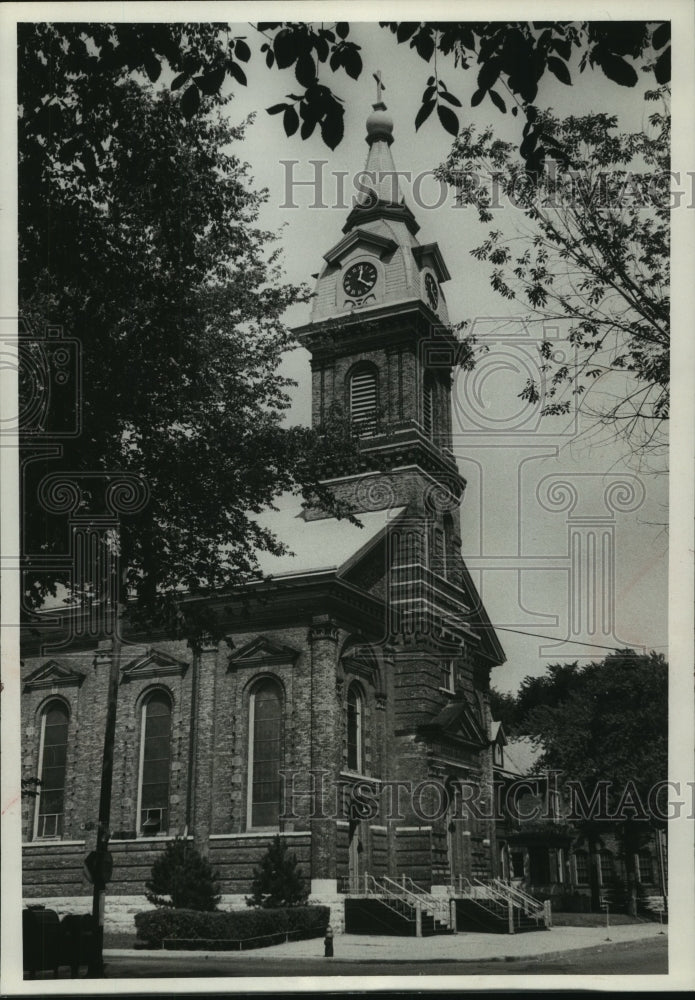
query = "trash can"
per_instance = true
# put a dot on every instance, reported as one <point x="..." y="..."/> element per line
<point x="77" y="936"/>
<point x="41" y="944"/>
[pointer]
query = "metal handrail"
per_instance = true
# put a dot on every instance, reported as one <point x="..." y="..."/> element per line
<point x="397" y="890"/>
<point x="501" y="894"/>
<point x="492" y="905"/>
<point x="499" y="891"/>
<point x="413" y="897"/>
<point x="372" y="887"/>
<point x="529" y="903"/>
<point x="436" y="904"/>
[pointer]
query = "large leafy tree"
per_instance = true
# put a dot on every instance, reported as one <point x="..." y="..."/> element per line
<point x="138" y="236"/>
<point x="605" y="721"/>
<point x="155" y="263"/>
<point x="583" y="243"/>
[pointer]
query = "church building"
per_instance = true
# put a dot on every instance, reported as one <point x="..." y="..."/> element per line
<point x="347" y="705"/>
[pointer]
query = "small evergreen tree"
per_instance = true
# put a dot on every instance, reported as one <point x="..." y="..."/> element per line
<point x="187" y="878"/>
<point x="278" y="881"/>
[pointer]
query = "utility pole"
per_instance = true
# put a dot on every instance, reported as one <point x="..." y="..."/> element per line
<point x="102" y="861"/>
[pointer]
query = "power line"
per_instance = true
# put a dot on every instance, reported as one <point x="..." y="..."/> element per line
<point x="552" y="638"/>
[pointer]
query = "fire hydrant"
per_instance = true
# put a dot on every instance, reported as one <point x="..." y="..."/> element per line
<point x="328" y="943"/>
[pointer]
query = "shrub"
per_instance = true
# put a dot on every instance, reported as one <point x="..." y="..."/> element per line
<point x="278" y="881"/>
<point x="187" y="878"/>
<point x="155" y="926"/>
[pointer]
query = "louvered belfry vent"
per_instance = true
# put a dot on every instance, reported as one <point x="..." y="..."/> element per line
<point x="363" y="400"/>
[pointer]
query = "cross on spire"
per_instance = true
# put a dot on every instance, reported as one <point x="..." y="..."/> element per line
<point x="380" y="86"/>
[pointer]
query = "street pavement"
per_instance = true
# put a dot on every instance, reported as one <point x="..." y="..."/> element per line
<point x="564" y="951"/>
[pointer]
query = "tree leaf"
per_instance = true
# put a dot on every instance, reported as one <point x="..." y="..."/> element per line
<point x="559" y="68"/>
<point x="450" y="98"/>
<point x="448" y="119"/>
<point x="424" y="113"/>
<point x="342" y="29"/>
<point x="308" y="126"/>
<point x="285" y="48"/>
<point x="237" y="72"/>
<point x="179" y="81"/>
<point x="352" y="61"/>
<point x="662" y="70"/>
<point x="497" y="101"/>
<point x="276" y="109"/>
<point x="305" y="69"/>
<point x="423" y="44"/>
<point x="241" y="50"/>
<point x="321" y="47"/>
<point x="489" y="72"/>
<point x="211" y="82"/>
<point x="477" y="98"/>
<point x="190" y="101"/>
<point x="333" y="127"/>
<point x="563" y="47"/>
<point x="616" y="68"/>
<point x="406" y="29"/>
<point x="661" y="35"/>
<point x="153" y="67"/>
<point x="290" y="121"/>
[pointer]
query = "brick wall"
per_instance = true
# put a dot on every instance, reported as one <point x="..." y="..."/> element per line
<point x="235" y="857"/>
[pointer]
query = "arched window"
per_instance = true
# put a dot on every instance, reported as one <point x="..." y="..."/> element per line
<point x="355" y="715"/>
<point x="581" y="867"/>
<point x="265" y="755"/>
<point x="52" y="766"/>
<point x="607" y="867"/>
<point x="364" y="398"/>
<point x="155" y="762"/>
<point x="646" y="869"/>
<point x="428" y="406"/>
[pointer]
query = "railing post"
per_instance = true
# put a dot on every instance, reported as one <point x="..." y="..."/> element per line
<point x="403" y="879"/>
<point x="366" y="884"/>
<point x="452" y="916"/>
<point x="418" y="920"/>
<point x="547" y="914"/>
<point x="510" y="915"/>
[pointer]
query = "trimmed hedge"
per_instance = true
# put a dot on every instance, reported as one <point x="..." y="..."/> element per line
<point x="155" y="926"/>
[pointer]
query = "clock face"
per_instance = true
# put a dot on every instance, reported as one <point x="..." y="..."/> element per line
<point x="359" y="279"/>
<point x="432" y="290"/>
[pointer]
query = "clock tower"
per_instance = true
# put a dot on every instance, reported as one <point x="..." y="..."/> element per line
<point x="380" y="343"/>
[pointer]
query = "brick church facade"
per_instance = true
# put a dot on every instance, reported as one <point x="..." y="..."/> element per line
<point x="349" y="694"/>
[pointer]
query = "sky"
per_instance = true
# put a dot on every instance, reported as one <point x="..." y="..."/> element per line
<point x="516" y="536"/>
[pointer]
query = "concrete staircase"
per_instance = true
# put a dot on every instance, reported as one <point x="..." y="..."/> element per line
<point x="388" y="906"/>
<point x="498" y="907"/>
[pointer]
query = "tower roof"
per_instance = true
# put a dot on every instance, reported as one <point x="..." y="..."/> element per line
<point x="379" y="261"/>
<point x="380" y="194"/>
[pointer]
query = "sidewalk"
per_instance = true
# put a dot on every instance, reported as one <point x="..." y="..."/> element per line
<point x="454" y="947"/>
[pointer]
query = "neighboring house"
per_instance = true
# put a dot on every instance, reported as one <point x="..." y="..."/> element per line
<point x="362" y="659"/>
<point x="552" y="856"/>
